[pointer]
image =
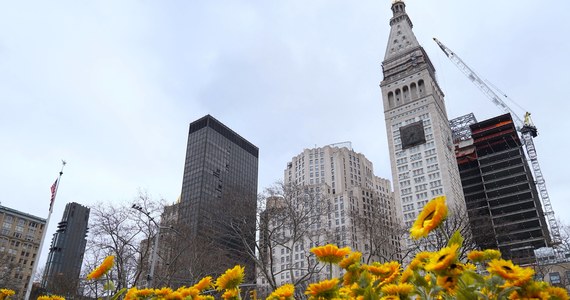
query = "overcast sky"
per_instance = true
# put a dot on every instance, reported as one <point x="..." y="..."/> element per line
<point x="111" y="86"/>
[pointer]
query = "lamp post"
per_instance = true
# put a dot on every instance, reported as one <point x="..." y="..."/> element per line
<point x="150" y="276"/>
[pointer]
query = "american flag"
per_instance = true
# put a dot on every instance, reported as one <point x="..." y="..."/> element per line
<point x="53" y="189"/>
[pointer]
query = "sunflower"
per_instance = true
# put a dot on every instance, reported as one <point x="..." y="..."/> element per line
<point x="188" y="292"/>
<point x="326" y="289"/>
<point x="350" y="277"/>
<point x="386" y="272"/>
<point x="516" y="275"/>
<point x="557" y="293"/>
<point x="455" y="269"/>
<point x="50" y="297"/>
<point x="6" y="293"/>
<point x="449" y="283"/>
<point x="284" y="292"/>
<point x="350" y="260"/>
<point x="390" y="297"/>
<point x="330" y="253"/>
<point x="232" y="293"/>
<point x="406" y="275"/>
<point x="163" y="292"/>
<point x="441" y="260"/>
<point x="101" y="270"/>
<point x="532" y="290"/>
<point x="204" y="283"/>
<point x="420" y="260"/>
<point x="231" y="279"/>
<point x="480" y="256"/>
<point x="432" y="215"/>
<point x="400" y="289"/>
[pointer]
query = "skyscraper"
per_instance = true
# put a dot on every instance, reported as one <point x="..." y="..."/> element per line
<point x="63" y="267"/>
<point x="219" y="194"/>
<point x="419" y="137"/>
<point x="502" y="200"/>
<point x="331" y="195"/>
<point x="20" y="238"/>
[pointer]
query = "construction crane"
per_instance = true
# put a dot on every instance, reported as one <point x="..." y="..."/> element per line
<point x="528" y="132"/>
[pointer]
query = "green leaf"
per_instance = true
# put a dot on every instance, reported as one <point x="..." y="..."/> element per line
<point x="119" y="293"/>
<point x="456" y="239"/>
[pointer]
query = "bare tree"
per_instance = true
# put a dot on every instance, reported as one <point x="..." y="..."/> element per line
<point x="118" y="230"/>
<point x="380" y="233"/>
<point x="289" y="218"/>
<point x="8" y="267"/>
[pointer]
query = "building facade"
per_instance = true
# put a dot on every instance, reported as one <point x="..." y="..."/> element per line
<point x="219" y="195"/>
<point x="419" y="136"/>
<point x="66" y="252"/>
<point x="331" y="195"/>
<point x="502" y="200"/>
<point x="20" y="239"/>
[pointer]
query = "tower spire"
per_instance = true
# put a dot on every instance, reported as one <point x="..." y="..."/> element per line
<point x="402" y="38"/>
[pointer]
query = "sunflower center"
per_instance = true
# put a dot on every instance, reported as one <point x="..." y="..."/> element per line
<point x="429" y="217"/>
<point x="449" y="279"/>
<point x="508" y="268"/>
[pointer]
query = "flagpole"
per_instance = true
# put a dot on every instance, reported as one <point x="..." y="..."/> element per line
<point x="36" y="262"/>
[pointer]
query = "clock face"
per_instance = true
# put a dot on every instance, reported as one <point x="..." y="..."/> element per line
<point x="412" y="135"/>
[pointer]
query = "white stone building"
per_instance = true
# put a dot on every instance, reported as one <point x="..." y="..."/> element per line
<point x="419" y="137"/>
<point x="348" y="204"/>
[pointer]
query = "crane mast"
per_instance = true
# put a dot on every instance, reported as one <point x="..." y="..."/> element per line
<point x="528" y="132"/>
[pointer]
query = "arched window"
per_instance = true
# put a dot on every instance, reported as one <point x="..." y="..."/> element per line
<point x="413" y="91"/>
<point x="406" y="93"/>
<point x="398" y="96"/>
<point x="390" y="99"/>
<point x="421" y="87"/>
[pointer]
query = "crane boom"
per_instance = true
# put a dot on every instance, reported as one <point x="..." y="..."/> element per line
<point x="528" y="132"/>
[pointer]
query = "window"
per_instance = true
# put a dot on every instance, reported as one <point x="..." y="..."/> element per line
<point x="554" y="277"/>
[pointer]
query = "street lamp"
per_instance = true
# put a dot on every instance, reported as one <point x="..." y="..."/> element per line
<point x="150" y="276"/>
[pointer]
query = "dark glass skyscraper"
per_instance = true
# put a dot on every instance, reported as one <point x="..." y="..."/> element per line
<point x="63" y="267"/>
<point x="502" y="201"/>
<point x="219" y="194"/>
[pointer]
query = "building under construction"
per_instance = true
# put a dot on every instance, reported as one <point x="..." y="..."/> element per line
<point x="502" y="200"/>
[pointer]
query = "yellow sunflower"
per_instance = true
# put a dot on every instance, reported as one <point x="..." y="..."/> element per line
<point x="455" y="269"/>
<point x="50" y="297"/>
<point x="532" y="290"/>
<point x="406" y="275"/>
<point x="350" y="277"/>
<point x="5" y="293"/>
<point x="390" y="297"/>
<point x="480" y="256"/>
<point x="386" y="272"/>
<point x="516" y="275"/>
<point x="188" y="292"/>
<point x="420" y="260"/>
<point x="442" y="259"/>
<point x="433" y="213"/>
<point x="231" y="279"/>
<point x="326" y="289"/>
<point x="330" y="253"/>
<point x="232" y="293"/>
<point x="284" y="292"/>
<point x="101" y="270"/>
<point x="557" y="293"/>
<point x="350" y="260"/>
<point x="163" y="292"/>
<point x="204" y="283"/>
<point x="400" y="289"/>
<point x="449" y="283"/>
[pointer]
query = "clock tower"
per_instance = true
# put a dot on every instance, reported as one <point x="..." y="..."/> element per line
<point x="421" y="150"/>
